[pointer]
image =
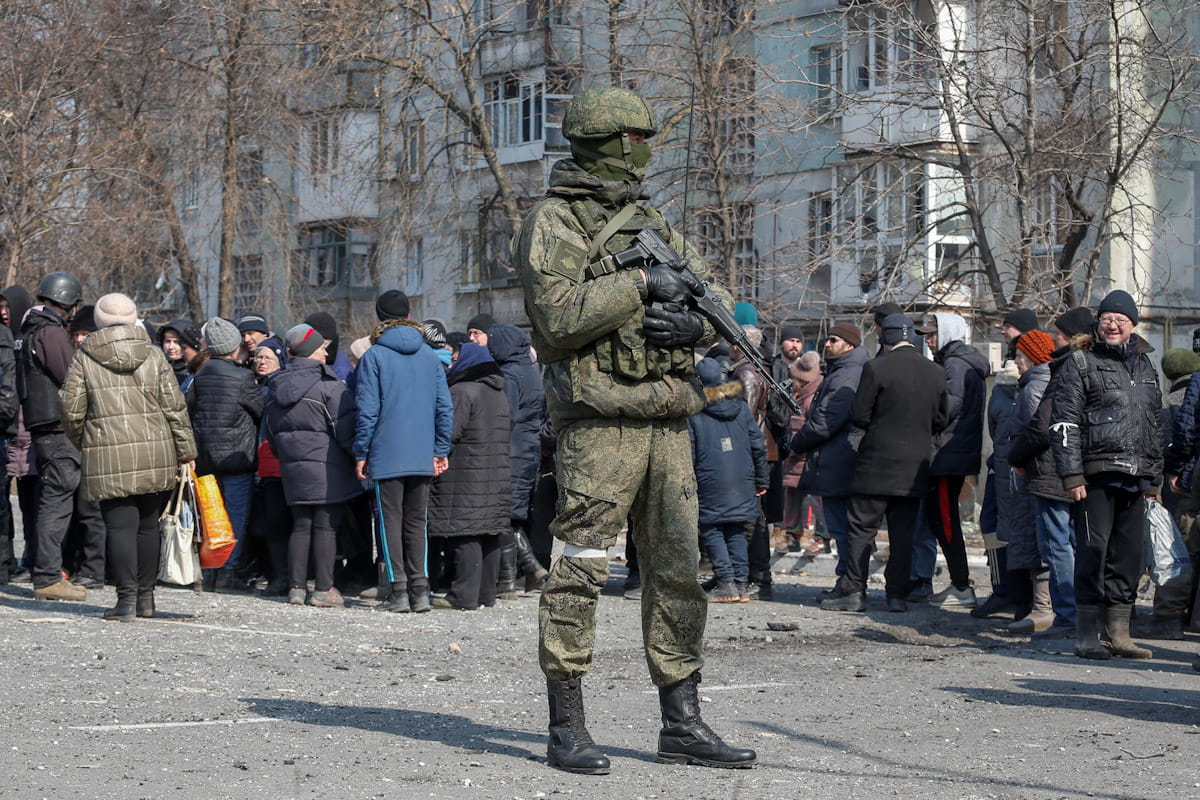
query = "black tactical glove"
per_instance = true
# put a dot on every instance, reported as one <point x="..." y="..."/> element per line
<point x="665" y="285"/>
<point x="672" y="326"/>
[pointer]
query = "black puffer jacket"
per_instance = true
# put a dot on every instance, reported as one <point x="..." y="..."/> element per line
<point x="958" y="450"/>
<point x="825" y="436"/>
<point x="1106" y="416"/>
<point x="472" y="497"/>
<point x="226" y="404"/>
<point x="1030" y="448"/>
<point x="310" y="424"/>
<point x="509" y="346"/>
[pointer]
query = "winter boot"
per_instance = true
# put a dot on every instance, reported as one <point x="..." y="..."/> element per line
<point x="535" y="574"/>
<point x="1087" y="633"/>
<point x="570" y="747"/>
<point x="1165" y="626"/>
<point x="686" y="739"/>
<point x="506" y="585"/>
<point x="397" y="602"/>
<point x="145" y="603"/>
<point x="1116" y="633"/>
<point x="1041" y="613"/>
<point x="124" y="610"/>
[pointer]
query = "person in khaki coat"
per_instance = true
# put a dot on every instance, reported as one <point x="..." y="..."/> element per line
<point x="121" y="406"/>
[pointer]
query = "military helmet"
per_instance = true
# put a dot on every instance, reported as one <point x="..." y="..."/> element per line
<point x="605" y="111"/>
<point x="60" y="287"/>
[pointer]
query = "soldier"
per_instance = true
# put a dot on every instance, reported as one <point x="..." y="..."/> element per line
<point x="620" y="385"/>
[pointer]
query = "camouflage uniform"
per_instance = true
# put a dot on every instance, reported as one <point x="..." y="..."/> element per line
<point x="619" y="406"/>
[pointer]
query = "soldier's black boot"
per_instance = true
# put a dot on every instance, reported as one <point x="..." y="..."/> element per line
<point x="506" y="585"/>
<point x="686" y="739"/>
<point x="571" y="747"/>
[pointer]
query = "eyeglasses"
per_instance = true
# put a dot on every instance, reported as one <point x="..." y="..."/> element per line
<point x="1116" y="320"/>
<point x="834" y="339"/>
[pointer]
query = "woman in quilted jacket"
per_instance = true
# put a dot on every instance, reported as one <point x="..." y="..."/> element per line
<point x="122" y="408"/>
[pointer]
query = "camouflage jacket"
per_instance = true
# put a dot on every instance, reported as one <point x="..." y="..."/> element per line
<point x="587" y="322"/>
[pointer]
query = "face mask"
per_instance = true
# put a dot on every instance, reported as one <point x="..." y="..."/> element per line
<point x="444" y="356"/>
<point x="609" y="159"/>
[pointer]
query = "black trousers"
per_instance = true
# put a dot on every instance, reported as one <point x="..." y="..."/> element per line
<point x="272" y="519"/>
<point x="476" y="565"/>
<point x="866" y="513"/>
<point x="313" y="529"/>
<point x="941" y="512"/>
<point x="403" y="506"/>
<point x="133" y="540"/>
<point x="1108" y="546"/>
<point x="28" y="491"/>
<point x="58" y="469"/>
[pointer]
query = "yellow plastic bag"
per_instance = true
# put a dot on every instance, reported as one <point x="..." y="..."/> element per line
<point x="216" y="534"/>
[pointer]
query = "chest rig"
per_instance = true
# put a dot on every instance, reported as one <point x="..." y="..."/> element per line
<point x="625" y="352"/>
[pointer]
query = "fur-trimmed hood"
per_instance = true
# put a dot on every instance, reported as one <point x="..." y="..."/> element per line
<point x="724" y="399"/>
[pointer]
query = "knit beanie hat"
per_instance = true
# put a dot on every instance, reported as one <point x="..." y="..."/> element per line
<point x="896" y="328"/>
<point x="710" y="372"/>
<point x="745" y="313"/>
<point x="847" y="331"/>
<point x="359" y="346"/>
<point x="808" y="366"/>
<point x="392" y="304"/>
<point x="221" y="336"/>
<point x="1037" y="345"/>
<point x="303" y="340"/>
<point x="481" y="322"/>
<point x="1118" y="301"/>
<point x="253" y="322"/>
<point x="1077" y="320"/>
<point x="434" y="337"/>
<point x="754" y="334"/>
<point x="84" y="319"/>
<point x="1023" y="319"/>
<point x="114" y="309"/>
<point x="323" y="323"/>
<point x="276" y="347"/>
<point x="1179" y="362"/>
<point x="791" y="332"/>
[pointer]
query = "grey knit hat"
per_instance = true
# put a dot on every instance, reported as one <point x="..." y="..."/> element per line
<point x="221" y="336"/>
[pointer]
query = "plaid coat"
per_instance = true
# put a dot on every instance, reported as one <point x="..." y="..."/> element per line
<point x="122" y="408"/>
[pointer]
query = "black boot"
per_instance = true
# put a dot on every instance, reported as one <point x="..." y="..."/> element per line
<point x="535" y="574"/>
<point x="124" y="610"/>
<point x="397" y="601"/>
<point x="145" y="603"/>
<point x="506" y="585"/>
<point x="1087" y="633"/>
<point x="571" y="747"/>
<point x="686" y="739"/>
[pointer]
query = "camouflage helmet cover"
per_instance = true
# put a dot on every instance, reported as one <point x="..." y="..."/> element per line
<point x="605" y="111"/>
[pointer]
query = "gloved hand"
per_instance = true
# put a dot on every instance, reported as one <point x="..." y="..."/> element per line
<point x="672" y="326"/>
<point x="665" y="285"/>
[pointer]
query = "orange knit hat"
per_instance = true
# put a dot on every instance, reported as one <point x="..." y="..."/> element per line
<point x="1037" y="345"/>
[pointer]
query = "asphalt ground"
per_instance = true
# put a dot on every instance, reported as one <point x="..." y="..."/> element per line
<point x="235" y="696"/>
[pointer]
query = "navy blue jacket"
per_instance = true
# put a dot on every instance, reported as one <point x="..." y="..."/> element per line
<point x="405" y="415"/>
<point x="509" y="346"/>
<point x="730" y="457"/>
<point x="825" y="436"/>
<point x="225" y="405"/>
<point x="1180" y="452"/>
<point x="310" y="424"/>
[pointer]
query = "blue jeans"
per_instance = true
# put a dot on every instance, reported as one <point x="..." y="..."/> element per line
<point x="924" y="549"/>
<point x="728" y="546"/>
<point x="1056" y="543"/>
<point x="837" y="526"/>
<point x="236" y="490"/>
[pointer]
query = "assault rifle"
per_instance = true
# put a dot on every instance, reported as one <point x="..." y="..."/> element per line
<point x="650" y="249"/>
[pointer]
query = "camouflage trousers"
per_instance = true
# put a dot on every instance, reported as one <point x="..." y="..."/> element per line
<point x="611" y="470"/>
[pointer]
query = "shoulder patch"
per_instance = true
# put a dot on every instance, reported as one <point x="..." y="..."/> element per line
<point x="567" y="260"/>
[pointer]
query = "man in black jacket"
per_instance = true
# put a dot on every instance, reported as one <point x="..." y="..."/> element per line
<point x="45" y="355"/>
<point x="900" y="404"/>
<point x="1107" y="444"/>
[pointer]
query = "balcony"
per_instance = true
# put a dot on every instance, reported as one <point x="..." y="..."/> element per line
<point x="887" y="118"/>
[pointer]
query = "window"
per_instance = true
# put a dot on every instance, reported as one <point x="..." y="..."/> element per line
<point x="725" y="238"/>
<point x="414" y="265"/>
<point x="336" y="254"/>
<point x="247" y="283"/>
<point x="324" y="138"/>
<point x="414" y="149"/>
<point x="468" y="258"/>
<point x="820" y="243"/>
<point x="881" y="215"/>
<point x="866" y="48"/>
<point x="735" y="128"/>
<point x="189" y="190"/>
<point x="514" y="110"/>
<point x="250" y="186"/>
<point x="825" y="74"/>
